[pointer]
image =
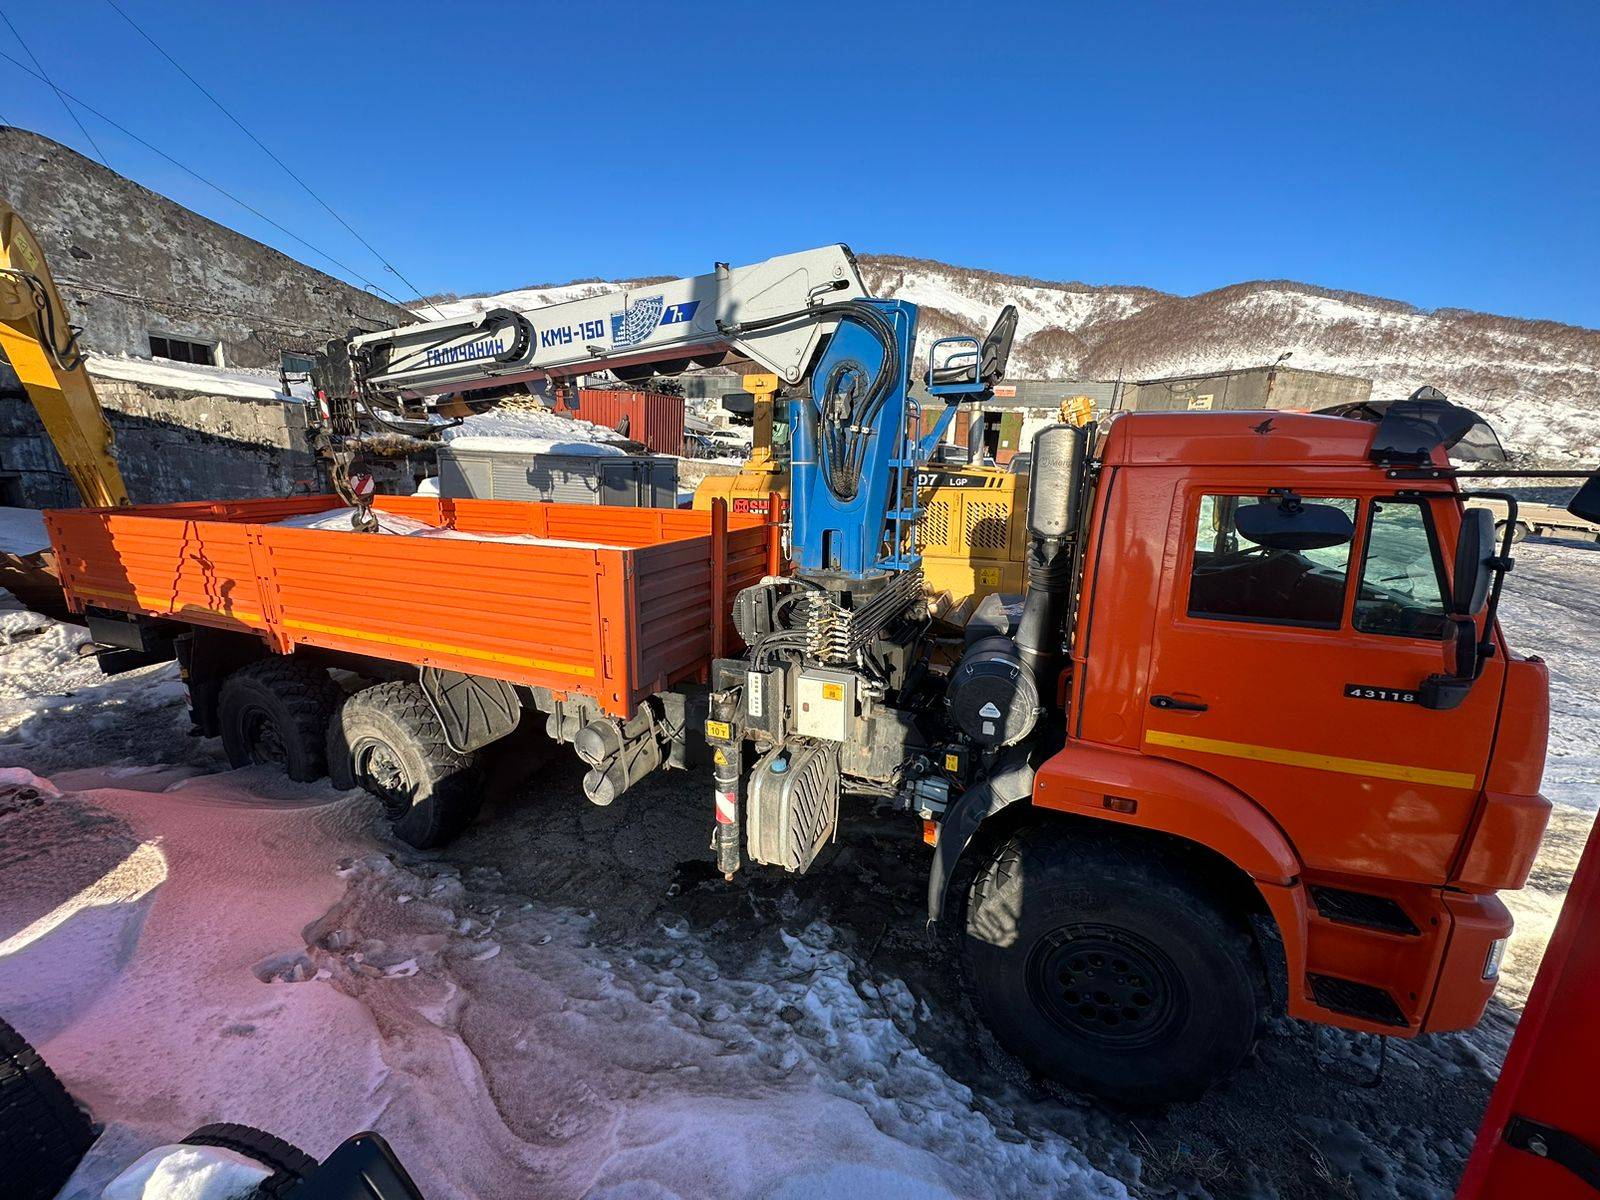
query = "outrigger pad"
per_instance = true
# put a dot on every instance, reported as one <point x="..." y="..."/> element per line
<point x="473" y="710"/>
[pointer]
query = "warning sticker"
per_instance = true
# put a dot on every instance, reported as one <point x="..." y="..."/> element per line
<point x="719" y="731"/>
<point x="833" y="691"/>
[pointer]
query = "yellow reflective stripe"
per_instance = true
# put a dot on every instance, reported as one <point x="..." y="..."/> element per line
<point x="388" y="639"/>
<point x="163" y="604"/>
<point x="1317" y="762"/>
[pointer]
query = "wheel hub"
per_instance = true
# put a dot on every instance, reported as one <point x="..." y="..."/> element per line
<point x="264" y="739"/>
<point x="380" y="771"/>
<point x="1106" y="984"/>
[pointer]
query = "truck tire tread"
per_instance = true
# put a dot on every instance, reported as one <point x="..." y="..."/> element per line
<point x="448" y="792"/>
<point x="290" y="1165"/>
<point x="1109" y="871"/>
<point x="304" y="697"/>
<point x="44" y="1132"/>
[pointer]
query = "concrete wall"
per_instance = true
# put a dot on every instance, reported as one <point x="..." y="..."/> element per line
<point x="170" y="446"/>
<point x="1262" y="387"/>
<point x="130" y="263"/>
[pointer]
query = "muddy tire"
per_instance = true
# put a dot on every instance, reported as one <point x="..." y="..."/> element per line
<point x="1103" y="965"/>
<point x="387" y="741"/>
<point x="276" y="710"/>
<point x="290" y="1165"/>
<point x="43" y="1133"/>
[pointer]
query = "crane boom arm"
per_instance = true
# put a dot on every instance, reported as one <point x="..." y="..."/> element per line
<point x="728" y="309"/>
<point x="42" y="349"/>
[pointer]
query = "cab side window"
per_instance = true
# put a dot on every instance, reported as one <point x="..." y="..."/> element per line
<point x="1238" y="579"/>
<point x="1402" y="581"/>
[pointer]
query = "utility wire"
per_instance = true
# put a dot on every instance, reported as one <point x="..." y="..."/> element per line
<point x="216" y="187"/>
<point x="60" y="95"/>
<point x="204" y="91"/>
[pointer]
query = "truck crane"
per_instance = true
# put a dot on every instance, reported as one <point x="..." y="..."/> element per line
<point x="1253" y="739"/>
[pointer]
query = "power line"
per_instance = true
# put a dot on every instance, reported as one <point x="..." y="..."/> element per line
<point x="216" y="187"/>
<point x="204" y="91"/>
<point x="60" y="95"/>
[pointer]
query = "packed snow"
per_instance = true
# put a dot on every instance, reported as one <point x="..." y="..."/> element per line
<point x="565" y="1004"/>
<point x="22" y="531"/>
<point x="342" y="520"/>
<point x="243" y="382"/>
<point x="532" y="431"/>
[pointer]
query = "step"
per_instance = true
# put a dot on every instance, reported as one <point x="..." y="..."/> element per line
<point x="1355" y="999"/>
<point x="1362" y="909"/>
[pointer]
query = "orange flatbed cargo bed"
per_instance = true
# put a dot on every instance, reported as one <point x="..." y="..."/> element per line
<point x="624" y="613"/>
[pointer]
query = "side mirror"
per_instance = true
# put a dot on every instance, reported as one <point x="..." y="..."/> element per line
<point x="1586" y="504"/>
<point x="1292" y="524"/>
<point x="1475" y="553"/>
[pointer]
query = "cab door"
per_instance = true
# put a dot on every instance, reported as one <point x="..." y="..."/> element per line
<point x="1293" y="675"/>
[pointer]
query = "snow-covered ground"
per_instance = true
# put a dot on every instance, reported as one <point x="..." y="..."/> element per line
<point x="567" y="1003"/>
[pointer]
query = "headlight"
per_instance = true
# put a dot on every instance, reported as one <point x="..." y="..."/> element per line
<point x="1491" y="965"/>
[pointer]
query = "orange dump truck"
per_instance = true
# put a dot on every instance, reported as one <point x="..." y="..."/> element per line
<point x="591" y="613"/>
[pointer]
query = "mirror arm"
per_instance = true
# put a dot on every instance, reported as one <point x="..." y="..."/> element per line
<point x="1501" y="566"/>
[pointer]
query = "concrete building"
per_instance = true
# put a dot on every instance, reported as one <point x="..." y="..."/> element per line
<point x="1250" y="387"/>
<point x="185" y="321"/>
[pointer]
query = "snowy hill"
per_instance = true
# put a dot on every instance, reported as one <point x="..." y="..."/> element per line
<point x="1538" y="382"/>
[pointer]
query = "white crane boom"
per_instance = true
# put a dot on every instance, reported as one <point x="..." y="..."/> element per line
<point x="692" y="318"/>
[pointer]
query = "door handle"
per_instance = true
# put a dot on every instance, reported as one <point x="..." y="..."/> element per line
<point x="1175" y="705"/>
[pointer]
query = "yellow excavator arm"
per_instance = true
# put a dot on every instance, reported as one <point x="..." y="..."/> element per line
<point x="41" y="347"/>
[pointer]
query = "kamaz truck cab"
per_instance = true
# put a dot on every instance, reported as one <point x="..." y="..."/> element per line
<point x="1293" y="739"/>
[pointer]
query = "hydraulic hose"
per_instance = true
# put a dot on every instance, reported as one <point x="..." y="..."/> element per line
<point x="842" y="446"/>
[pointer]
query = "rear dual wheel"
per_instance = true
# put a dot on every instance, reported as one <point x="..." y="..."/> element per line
<point x="276" y="711"/>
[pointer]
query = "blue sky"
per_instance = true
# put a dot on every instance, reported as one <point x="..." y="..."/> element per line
<point x="1445" y="154"/>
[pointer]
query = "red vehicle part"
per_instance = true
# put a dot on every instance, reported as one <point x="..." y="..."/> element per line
<point x="1541" y="1133"/>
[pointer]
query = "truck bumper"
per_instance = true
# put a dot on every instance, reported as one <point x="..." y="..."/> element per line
<point x="1469" y="970"/>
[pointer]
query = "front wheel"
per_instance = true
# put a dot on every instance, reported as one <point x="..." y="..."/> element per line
<point x="1102" y="965"/>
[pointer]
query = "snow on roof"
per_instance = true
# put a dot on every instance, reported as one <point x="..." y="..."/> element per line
<point x="22" y="531"/>
<point x="532" y="431"/>
<point x="243" y="382"/>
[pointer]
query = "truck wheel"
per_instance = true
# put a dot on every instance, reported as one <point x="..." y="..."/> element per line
<point x="387" y="740"/>
<point x="290" y="1165"/>
<point x="1101" y="965"/>
<point x="1519" y="531"/>
<point x="276" y="710"/>
<point x="43" y="1132"/>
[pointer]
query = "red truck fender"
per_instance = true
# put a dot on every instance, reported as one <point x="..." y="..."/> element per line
<point x="1150" y="793"/>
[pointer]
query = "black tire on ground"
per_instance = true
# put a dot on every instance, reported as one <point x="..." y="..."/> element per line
<point x="1103" y="965"/>
<point x="276" y="710"/>
<point x="387" y="741"/>
<point x="290" y="1165"/>
<point x="43" y="1134"/>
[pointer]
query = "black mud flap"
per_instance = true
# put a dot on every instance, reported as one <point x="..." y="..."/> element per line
<point x="363" y="1168"/>
<point x="472" y="710"/>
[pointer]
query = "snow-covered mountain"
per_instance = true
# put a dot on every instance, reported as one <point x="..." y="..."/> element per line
<point x="1538" y="382"/>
